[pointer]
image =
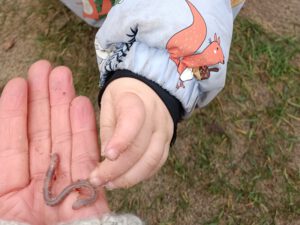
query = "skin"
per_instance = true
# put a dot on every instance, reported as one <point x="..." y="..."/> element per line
<point x="40" y="116"/>
<point x="53" y="201"/>
<point x="135" y="131"/>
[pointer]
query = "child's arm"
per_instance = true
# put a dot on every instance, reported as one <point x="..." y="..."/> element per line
<point x="175" y="49"/>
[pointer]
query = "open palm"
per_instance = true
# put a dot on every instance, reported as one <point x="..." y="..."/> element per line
<point x="38" y="117"/>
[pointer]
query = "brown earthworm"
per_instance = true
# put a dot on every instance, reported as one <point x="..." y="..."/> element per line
<point x="53" y="201"/>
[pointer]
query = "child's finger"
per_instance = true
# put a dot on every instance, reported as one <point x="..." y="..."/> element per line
<point x="109" y="170"/>
<point x="107" y="120"/>
<point x="14" y="164"/>
<point x="62" y="93"/>
<point x="130" y="117"/>
<point x="161" y="162"/>
<point x="145" y="166"/>
<point x="39" y="132"/>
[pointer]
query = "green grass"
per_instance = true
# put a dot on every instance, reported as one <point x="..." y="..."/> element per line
<point x="234" y="161"/>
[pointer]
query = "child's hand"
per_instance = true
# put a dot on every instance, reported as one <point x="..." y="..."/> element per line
<point x="136" y="130"/>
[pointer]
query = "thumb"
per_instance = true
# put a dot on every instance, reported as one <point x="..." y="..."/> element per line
<point x="130" y="117"/>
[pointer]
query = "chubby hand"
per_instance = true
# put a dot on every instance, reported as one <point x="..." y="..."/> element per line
<point x="136" y="129"/>
<point x="38" y="117"/>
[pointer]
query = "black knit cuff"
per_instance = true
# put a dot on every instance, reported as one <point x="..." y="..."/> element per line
<point x="174" y="106"/>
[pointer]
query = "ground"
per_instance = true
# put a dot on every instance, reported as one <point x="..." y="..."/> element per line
<point x="235" y="162"/>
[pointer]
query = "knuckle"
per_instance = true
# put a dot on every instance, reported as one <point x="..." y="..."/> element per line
<point x="63" y="137"/>
<point x="164" y="159"/>
<point x="151" y="162"/>
<point x="126" y="183"/>
<point x="83" y="158"/>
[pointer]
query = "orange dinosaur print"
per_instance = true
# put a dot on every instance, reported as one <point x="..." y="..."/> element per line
<point x="183" y="46"/>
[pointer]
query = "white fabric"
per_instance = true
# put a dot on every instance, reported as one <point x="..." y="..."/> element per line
<point x="109" y="219"/>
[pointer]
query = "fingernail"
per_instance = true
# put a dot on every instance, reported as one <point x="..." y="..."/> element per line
<point x="96" y="181"/>
<point x="111" y="154"/>
<point x="110" y="186"/>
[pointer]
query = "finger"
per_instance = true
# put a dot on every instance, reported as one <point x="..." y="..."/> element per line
<point x="107" y="120"/>
<point x="130" y="117"/>
<point x="61" y="94"/>
<point x="109" y="170"/>
<point x="13" y="136"/>
<point x="142" y="169"/>
<point x="161" y="162"/>
<point x="39" y="132"/>
<point x="85" y="151"/>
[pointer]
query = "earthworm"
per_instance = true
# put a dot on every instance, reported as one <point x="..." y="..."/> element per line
<point x="53" y="201"/>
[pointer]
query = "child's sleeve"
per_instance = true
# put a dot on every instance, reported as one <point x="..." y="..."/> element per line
<point x="237" y="5"/>
<point x="180" y="45"/>
<point x="91" y="11"/>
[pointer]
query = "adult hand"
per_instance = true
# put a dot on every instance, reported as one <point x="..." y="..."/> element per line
<point x="36" y="119"/>
<point x="136" y="129"/>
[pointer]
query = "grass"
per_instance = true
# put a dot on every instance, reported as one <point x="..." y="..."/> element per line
<point x="236" y="161"/>
<point x="69" y="41"/>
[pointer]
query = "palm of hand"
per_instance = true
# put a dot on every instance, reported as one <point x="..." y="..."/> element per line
<point x="47" y="119"/>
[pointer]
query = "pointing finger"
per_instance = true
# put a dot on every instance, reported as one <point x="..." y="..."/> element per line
<point x="130" y="117"/>
<point x="107" y="120"/>
<point x="39" y="132"/>
<point x="62" y="93"/>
